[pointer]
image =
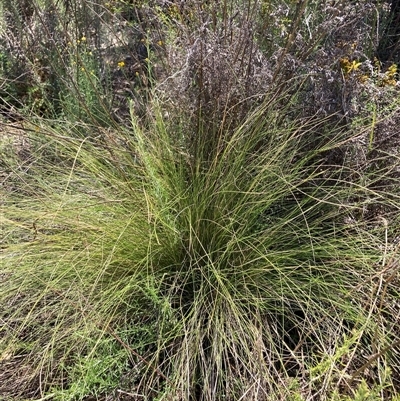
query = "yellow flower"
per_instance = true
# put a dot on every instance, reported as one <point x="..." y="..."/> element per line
<point x="160" y="43"/>
<point x="392" y="70"/>
<point x="391" y="82"/>
<point x="121" y="64"/>
<point x="349" y="66"/>
<point x="83" y="38"/>
<point x="354" y="66"/>
<point x="390" y="76"/>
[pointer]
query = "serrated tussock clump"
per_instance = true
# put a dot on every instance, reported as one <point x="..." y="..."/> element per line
<point x="209" y="209"/>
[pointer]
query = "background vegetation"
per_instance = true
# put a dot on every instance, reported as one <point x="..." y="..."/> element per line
<point x="200" y="200"/>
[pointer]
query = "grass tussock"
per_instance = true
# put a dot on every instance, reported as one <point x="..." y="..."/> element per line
<point x="236" y="239"/>
<point x="225" y="275"/>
